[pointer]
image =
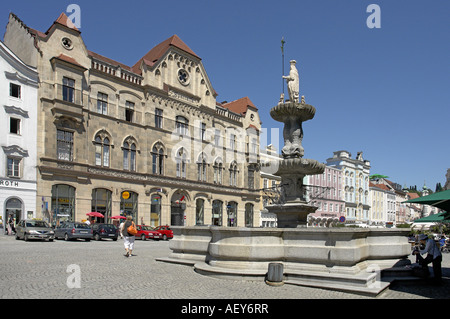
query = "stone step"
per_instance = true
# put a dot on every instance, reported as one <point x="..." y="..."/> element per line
<point x="364" y="282"/>
<point x="397" y="272"/>
<point x="373" y="289"/>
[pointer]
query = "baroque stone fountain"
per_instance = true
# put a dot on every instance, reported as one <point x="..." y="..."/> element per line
<point x="348" y="259"/>
<point x="293" y="210"/>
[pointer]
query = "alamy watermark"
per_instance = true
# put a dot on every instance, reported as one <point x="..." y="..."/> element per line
<point x="74" y="15"/>
<point x="374" y="19"/>
<point x="74" y="279"/>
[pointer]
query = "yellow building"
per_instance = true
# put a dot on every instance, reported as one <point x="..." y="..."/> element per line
<point x="148" y="140"/>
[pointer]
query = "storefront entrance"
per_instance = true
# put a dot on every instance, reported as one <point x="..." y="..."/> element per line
<point x="177" y="209"/>
<point x="129" y="205"/>
<point x="13" y="211"/>
<point x="101" y="203"/>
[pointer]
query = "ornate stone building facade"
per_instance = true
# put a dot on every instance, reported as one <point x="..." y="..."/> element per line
<point x="325" y="191"/>
<point x="355" y="184"/>
<point x="148" y="140"/>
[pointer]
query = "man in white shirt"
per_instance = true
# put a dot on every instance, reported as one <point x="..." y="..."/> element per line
<point x="434" y="256"/>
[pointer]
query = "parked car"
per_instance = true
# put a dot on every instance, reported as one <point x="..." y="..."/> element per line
<point x="73" y="230"/>
<point x="165" y="231"/>
<point x="34" y="229"/>
<point x="146" y="232"/>
<point x="100" y="231"/>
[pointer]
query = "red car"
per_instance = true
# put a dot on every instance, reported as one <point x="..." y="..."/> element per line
<point x="165" y="231"/>
<point x="146" y="232"/>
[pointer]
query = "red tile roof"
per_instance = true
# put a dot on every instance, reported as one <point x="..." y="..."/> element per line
<point x="240" y="106"/>
<point x="64" y="20"/>
<point x="158" y="51"/>
<point x="253" y="127"/>
<point x="413" y="195"/>
<point x="381" y="186"/>
<point x="68" y="59"/>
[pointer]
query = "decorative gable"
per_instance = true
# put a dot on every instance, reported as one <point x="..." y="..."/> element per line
<point x="173" y="67"/>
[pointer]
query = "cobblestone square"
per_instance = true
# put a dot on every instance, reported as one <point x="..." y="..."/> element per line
<point x="39" y="270"/>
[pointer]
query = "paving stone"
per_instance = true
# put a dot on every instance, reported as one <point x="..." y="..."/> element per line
<point x="38" y="270"/>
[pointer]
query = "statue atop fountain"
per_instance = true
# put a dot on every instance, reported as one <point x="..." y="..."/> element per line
<point x="293" y="210"/>
<point x="293" y="82"/>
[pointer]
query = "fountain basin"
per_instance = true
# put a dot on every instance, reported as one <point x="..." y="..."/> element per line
<point x="301" y="166"/>
<point x="323" y="257"/>
<point x="338" y="246"/>
<point x="283" y="112"/>
<point x="292" y="214"/>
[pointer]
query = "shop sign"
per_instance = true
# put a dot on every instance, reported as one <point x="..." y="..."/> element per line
<point x="8" y="183"/>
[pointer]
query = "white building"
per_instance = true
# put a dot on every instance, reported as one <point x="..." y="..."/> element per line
<point x="18" y="131"/>
<point x="383" y="205"/>
<point x="355" y="175"/>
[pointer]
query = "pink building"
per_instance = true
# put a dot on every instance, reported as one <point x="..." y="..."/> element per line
<point x="325" y="192"/>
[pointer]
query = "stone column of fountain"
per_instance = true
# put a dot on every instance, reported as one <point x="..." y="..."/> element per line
<point x="292" y="211"/>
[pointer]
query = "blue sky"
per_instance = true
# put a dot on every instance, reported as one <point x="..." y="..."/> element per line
<point x="383" y="91"/>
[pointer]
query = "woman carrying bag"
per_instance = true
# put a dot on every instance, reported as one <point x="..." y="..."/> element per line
<point x="128" y="232"/>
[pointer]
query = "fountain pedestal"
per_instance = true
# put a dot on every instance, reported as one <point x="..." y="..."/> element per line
<point x="292" y="210"/>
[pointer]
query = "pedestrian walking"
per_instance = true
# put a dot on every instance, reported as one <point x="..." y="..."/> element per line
<point x="120" y="229"/>
<point x="128" y="237"/>
<point x="434" y="256"/>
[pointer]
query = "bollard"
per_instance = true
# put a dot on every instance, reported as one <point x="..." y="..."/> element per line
<point x="275" y="274"/>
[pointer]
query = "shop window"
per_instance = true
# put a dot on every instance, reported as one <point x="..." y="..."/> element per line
<point x="217" y="211"/>
<point x="129" y="204"/>
<point x="199" y="211"/>
<point x="248" y="215"/>
<point x="232" y="214"/>
<point x="101" y="203"/>
<point x="155" y="210"/>
<point x="63" y="202"/>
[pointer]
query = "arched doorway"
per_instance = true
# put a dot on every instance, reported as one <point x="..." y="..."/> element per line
<point x="129" y="204"/>
<point x="177" y="209"/>
<point x="155" y="210"/>
<point x="13" y="211"/>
